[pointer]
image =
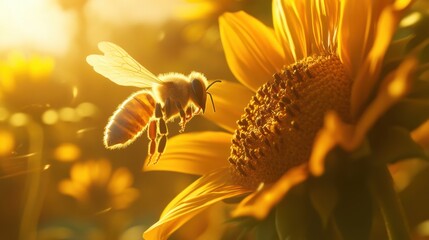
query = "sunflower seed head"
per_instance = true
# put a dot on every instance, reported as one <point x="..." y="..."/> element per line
<point x="277" y="129"/>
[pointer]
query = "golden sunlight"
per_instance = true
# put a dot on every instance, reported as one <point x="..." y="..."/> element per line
<point x="305" y="119"/>
<point x="128" y="12"/>
<point x="67" y="152"/>
<point x="39" y="25"/>
<point x="7" y="142"/>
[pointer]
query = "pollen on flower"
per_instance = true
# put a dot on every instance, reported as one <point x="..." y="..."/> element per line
<point x="277" y="129"/>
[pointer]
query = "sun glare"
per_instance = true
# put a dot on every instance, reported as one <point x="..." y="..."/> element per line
<point x="127" y="12"/>
<point x="39" y="25"/>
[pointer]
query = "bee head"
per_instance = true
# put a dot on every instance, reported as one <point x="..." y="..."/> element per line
<point x="200" y="85"/>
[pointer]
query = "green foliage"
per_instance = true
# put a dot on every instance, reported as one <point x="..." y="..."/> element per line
<point x="323" y="197"/>
<point x="266" y="229"/>
<point x="295" y="218"/>
<point x="407" y="113"/>
<point x="394" y="143"/>
<point x="354" y="212"/>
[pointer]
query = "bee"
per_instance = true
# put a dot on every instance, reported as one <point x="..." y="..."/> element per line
<point x="161" y="99"/>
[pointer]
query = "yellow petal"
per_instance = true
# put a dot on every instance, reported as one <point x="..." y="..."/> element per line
<point x="73" y="189"/>
<point x="333" y="132"/>
<point x="208" y="225"/>
<point x="292" y="23"/>
<point x="194" y="153"/>
<point x="80" y="174"/>
<point x="421" y="135"/>
<point x="100" y="171"/>
<point x="260" y="203"/>
<point x="196" y="10"/>
<point x="251" y="49"/>
<point x="203" y="193"/>
<point x="125" y="198"/>
<point x="120" y="180"/>
<point x="349" y="137"/>
<point x="325" y="16"/>
<point x="401" y="5"/>
<point x="403" y="172"/>
<point x="230" y="99"/>
<point x="356" y="23"/>
<point x="362" y="46"/>
<point x="368" y="74"/>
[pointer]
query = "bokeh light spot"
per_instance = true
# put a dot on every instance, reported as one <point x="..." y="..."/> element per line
<point x="7" y="141"/>
<point x="423" y="229"/>
<point x="410" y="19"/>
<point x="397" y="88"/>
<point x="50" y="117"/>
<point x="18" y="119"/>
<point x="75" y="92"/>
<point x="194" y="32"/>
<point x="68" y="114"/>
<point x="7" y="78"/>
<point x="86" y="109"/>
<point x="40" y="67"/>
<point x="4" y="114"/>
<point x="133" y="232"/>
<point x="67" y="152"/>
<point x="17" y="61"/>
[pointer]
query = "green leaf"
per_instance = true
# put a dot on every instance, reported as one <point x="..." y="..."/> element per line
<point x="234" y="200"/>
<point x="295" y="218"/>
<point x="364" y="150"/>
<point x="324" y="197"/>
<point x="353" y="213"/>
<point x="420" y="32"/>
<point x="398" y="48"/>
<point x="408" y="113"/>
<point x="266" y="229"/>
<point x="290" y="220"/>
<point x="239" y="228"/>
<point x="391" y="144"/>
<point x="420" y="90"/>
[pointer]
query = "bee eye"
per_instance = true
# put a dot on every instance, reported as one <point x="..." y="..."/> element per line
<point x="199" y="93"/>
<point x="197" y="88"/>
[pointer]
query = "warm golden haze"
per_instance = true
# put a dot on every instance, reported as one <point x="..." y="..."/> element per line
<point x="311" y="120"/>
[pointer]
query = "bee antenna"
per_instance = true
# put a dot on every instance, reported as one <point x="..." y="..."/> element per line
<point x="211" y="98"/>
<point x="216" y="81"/>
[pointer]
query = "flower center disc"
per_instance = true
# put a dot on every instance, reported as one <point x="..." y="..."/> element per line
<point x="277" y="130"/>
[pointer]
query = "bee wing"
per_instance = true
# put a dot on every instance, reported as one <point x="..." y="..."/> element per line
<point x="129" y="120"/>
<point x="118" y="66"/>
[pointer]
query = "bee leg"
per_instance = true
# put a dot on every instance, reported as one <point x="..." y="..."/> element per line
<point x="167" y="108"/>
<point x="189" y="114"/>
<point x="151" y="135"/>
<point x="162" y="142"/>
<point x="158" y="111"/>
<point x="158" y="135"/>
<point x="197" y="111"/>
<point x="162" y="139"/>
<point x="182" y="117"/>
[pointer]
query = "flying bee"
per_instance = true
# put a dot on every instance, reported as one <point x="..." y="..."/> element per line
<point x="161" y="99"/>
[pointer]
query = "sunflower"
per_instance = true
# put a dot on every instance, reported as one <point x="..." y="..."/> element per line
<point x="318" y="109"/>
<point x="94" y="184"/>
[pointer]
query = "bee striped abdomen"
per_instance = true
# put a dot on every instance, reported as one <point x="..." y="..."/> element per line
<point x="129" y="120"/>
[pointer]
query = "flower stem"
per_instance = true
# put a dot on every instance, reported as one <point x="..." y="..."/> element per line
<point x="382" y="188"/>
<point x="34" y="187"/>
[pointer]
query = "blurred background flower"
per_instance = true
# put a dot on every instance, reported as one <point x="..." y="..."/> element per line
<point x="53" y="108"/>
<point x="95" y="183"/>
